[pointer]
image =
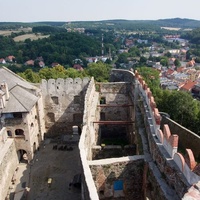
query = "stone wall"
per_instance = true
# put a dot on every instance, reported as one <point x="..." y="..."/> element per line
<point x="115" y="94"/>
<point x="87" y="140"/>
<point x="63" y="104"/>
<point x="187" y="138"/>
<point x="112" y="151"/>
<point x="116" y="105"/>
<point x="8" y="163"/>
<point x="129" y="171"/>
<point x="32" y="125"/>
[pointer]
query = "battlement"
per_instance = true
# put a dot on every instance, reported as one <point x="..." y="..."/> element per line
<point x="59" y="86"/>
<point x="168" y="140"/>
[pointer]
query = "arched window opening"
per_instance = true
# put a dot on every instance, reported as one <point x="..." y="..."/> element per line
<point x="19" y="132"/>
<point x="103" y="100"/>
<point x="22" y="156"/>
<point x="9" y="133"/>
<point x="50" y="117"/>
<point x="55" y="100"/>
<point x="34" y="147"/>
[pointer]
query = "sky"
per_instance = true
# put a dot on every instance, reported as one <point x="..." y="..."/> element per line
<point x="96" y="10"/>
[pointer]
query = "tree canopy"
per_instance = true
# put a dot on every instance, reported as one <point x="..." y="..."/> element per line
<point x="179" y="105"/>
<point x="100" y="71"/>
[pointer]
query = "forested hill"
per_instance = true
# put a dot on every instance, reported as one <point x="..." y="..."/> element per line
<point x="62" y="48"/>
<point x="113" y="24"/>
<point x="134" y="25"/>
<point x="178" y="22"/>
<point x="145" y="24"/>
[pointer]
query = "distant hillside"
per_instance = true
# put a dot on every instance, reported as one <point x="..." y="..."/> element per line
<point x="136" y="25"/>
<point x="117" y="24"/>
<point x="179" y="23"/>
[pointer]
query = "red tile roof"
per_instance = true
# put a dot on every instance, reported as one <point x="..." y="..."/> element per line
<point x="180" y="69"/>
<point x="54" y="64"/>
<point x="188" y="85"/>
<point x="169" y="72"/>
<point x="30" y="62"/>
<point x="78" y="67"/>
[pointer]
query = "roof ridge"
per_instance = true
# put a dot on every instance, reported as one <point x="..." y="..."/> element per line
<point x="19" y="101"/>
<point x="19" y="77"/>
<point x="14" y="74"/>
<point x="31" y="88"/>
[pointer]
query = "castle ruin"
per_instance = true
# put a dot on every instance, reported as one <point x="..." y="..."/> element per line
<point x="127" y="149"/>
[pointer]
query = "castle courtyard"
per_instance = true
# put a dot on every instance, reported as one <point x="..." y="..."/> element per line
<point x="49" y="174"/>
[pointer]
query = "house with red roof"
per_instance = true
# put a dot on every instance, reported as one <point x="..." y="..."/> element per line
<point x="30" y="62"/>
<point x="180" y="69"/>
<point x="78" y="67"/>
<point x="129" y="43"/>
<point x="54" y="64"/>
<point x="10" y="58"/>
<point x="2" y="61"/>
<point x="191" y="63"/>
<point x="169" y="73"/>
<point x="187" y="87"/>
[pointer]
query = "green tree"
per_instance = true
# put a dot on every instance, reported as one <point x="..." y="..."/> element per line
<point x="100" y="71"/>
<point x="134" y="52"/>
<point x="73" y="73"/>
<point x="122" y="58"/>
<point x="30" y="76"/>
<point x="164" y="62"/>
<point x="143" y="60"/>
<point x="177" y="63"/>
<point x="151" y="77"/>
<point x="183" y="108"/>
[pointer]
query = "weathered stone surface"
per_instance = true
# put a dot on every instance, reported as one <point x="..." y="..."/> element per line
<point x="64" y="101"/>
<point x="8" y="165"/>
<point x="131" y="173"/>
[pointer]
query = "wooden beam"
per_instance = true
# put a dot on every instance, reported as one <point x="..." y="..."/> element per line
<point x="115" y="105"/>
<point x="115" y="122"/>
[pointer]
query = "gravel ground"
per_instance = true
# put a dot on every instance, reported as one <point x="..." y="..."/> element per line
<point x="57" y="166"/>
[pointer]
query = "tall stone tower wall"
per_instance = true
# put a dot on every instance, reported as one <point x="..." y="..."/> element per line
<point x="8" y="162"/>
<point x="63" y="104"/>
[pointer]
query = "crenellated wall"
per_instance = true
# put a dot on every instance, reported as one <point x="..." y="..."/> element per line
<point x="63" y="101"/>
<point x="187" y="138"/>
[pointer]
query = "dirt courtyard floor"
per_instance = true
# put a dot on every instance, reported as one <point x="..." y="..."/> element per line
<point x="52" y="171"/>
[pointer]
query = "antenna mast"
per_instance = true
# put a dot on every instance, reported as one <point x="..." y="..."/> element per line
<point x="102" y="47"/>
